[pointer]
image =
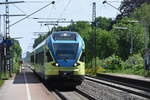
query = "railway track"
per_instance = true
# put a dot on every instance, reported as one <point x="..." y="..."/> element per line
<point x="64" y="93"/>
<point x="133" y="86"/>
<point x="72" y="95"/>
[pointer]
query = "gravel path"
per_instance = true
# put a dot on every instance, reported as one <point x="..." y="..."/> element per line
<point x="102" y="92"/>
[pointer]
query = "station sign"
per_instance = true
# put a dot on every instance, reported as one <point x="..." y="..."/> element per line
<point x="8" y="42"/>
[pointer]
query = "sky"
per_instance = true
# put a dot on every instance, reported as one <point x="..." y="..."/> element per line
<point x="78" y="10"/>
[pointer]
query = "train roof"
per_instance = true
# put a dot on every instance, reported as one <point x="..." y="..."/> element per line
<point x="45" y="41"/>
<point x="64" y="32"/>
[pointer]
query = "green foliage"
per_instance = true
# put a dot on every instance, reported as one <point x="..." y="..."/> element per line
<point x="135" y="31"/>
<point x="38" y="40"/>
<point x="104" y="23"/>
<point x="79" y="26"/>
<point x="142" y="13"/>
<point x="62" y="28"/>
<point x="127" y="7"/>
<point x="16" y="53"/>
<point x="135" y="65"/>
<point x="1" y="82"/>
<point x="114" y="62"/>
<point x="106" y="43"/>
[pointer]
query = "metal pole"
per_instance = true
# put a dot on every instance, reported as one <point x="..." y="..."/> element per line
<point x="0" y="24"/>
<point x="94" y="32"/>
<point x="4" y="67"/>
<point x="146" y="35"/>
<point x="131" y="41"/>
<point x="7" y="38"/>
<point x="0" y="65"/>
<point x="0" y="53"/>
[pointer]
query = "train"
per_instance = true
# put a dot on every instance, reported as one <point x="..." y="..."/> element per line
<point x="61" y="56"/>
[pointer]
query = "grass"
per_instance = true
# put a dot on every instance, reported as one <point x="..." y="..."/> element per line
<point x="1" y="82"/>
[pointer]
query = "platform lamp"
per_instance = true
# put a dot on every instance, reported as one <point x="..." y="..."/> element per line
<point x="136" y="21"/>
<point x="105" y="2"/>
<point x="131" y="35"/>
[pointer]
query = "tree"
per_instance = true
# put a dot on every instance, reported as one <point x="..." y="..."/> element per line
<point x="38" y="40"/>
<point x="104" y="23"/>
<point x="106" y="43"/>
<point x="142" y="14"/>
<point x="128" y="6"/>
<point x="16" y="52"/>
<point x="135" y="31"/>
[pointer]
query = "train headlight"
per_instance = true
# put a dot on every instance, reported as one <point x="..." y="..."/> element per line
<point x="57" y="64"/>
<point x="75" y="64"/>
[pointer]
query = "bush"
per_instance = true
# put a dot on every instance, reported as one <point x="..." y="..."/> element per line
<point x="135" y="63"/>
<point x="114" y="62"/>
<point x="16" y="65"/>
<point x="92" y="70"/>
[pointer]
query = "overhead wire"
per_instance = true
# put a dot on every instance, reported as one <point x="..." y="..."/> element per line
<point x="116" y="1"/>
<point x="37" y="1"/>
<point x="53" y="2"/>
<point x="65" y="8"/>
<point x="19" y="9"/>
<point x="51" y="9"/>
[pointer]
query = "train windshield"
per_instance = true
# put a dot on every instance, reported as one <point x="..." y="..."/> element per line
<point x="65" y="50"/>
<point x="64" y="36"/>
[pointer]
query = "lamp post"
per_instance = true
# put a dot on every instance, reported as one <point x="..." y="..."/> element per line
<point x="131" y="49"/>
<point x="105" y="2"/>
<point x="146" y="37"/>
<point x="131" y="36"/>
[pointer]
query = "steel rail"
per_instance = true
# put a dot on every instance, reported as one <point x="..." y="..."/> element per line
<point x="120" y="85"/>
<point x="63" y="97"/>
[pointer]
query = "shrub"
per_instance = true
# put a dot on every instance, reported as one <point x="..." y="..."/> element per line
<point x="114" y="62"/>
<point x="135" y="63"/>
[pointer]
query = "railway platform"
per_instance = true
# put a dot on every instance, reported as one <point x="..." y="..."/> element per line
<point x="25" y="86"/>
<point x="137" y="77"/>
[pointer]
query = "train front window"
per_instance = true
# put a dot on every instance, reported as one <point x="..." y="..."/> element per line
<point x="65" y="50"/>
<point x="64" y="36"/>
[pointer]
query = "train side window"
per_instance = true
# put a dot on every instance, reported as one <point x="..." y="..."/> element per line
<point x="41" y="58"/>
<point x="82" y="58"/>
<point x="32" y="59"/>
<point x="36" y="59"/>
<point x="49" y="57"/>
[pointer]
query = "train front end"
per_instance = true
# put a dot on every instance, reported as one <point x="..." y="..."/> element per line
<point x="67" y="50"/>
